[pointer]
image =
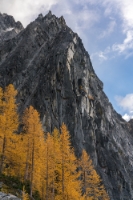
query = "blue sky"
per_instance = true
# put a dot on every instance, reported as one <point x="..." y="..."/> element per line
<point x="106" y="29"/>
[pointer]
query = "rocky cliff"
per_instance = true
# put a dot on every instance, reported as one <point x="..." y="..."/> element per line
<point x="51" y="70"/>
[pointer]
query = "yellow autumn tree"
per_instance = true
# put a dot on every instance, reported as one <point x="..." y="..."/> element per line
<point x="57" y="157"/>
<point x="1" y="117"/>
<point x="34" y="133"/>
<point x="49" y="167"/>
<point x="70" y="184"/>
<point x="1" y="101"/>
<point x="8" y="120"/>
<point x="92" y="186"/>
<point x="49" y="164"/>
<point x="25" y="195"/>
<point x="60" y="179"/>
<point x="40" y="178"/>
<point x="16" y="156"/>
<point x="52" y="166"/>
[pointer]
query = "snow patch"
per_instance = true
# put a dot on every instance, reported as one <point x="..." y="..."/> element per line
<point x="8" y="29"/>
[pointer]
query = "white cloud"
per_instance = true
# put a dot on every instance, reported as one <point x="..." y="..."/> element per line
<point x="26" y="10"/>
<point x="109" y="29"/>
<point x="85" y="18"/>
<point x="127" y="13"/>
<point x="102" y="55"/>
<point x="83" y="2"/>
<point x="125" y="48"/>
<point x="81" y="16"/>
<point x="123" y="9"/>
<point x="127" y="117"/>
<point x="126" y="103"/>
<point x="126" y="45"/>
<point x="78" y="19"/>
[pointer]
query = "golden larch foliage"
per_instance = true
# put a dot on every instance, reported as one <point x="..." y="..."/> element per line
<point x="70" y="184"/>
<point x="1" y="120"/>
<point x="34" y="132"/>
<point x="47" y="162"/>
<point x="93" y="189"/>
<point x="9" y="121"/>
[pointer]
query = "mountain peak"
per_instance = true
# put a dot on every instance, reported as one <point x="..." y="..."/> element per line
<point x="62" y="20"/>
<point x="9" y="28"/>
<point x="40" y="15"/>
<point x="49" y="13"/>
<point x="51" y="18"/>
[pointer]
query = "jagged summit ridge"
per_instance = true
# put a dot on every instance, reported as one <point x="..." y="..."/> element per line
<point x="50" y="68"/>
<point x="8" y="27"/>
<point x="50" y="16"/>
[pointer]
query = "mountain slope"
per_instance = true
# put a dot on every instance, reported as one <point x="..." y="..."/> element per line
<point x="51" y="70"/>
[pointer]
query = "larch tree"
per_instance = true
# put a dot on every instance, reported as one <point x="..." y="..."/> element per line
<point x="35" y="135"/>
<point x="70" y="184"/>
<point x="49" y="166"/>
<point x="1" y="101"/>
<point x="1" y="118"/>
<point x="57" y="164"/>
<point x="53" y="166"/>
<point x="39" y="181"/>
<point x="8" y="119"/>
<point x="61" y="176"/>
<point x="16" y="156"/>
<point x="48" y="163"/>
<point x="92" y="186"/>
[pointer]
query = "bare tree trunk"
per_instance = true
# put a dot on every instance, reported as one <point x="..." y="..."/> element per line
<point x="42" y="190"/>
<point x="2" y="155"/>
<point x="85" y="185"/>
<point x="32" y="171"/>
<point x="53" y="189"/>
<point x="27" y="165"/>
<point x="47" y="175"/>
<point x="63" y="197"/>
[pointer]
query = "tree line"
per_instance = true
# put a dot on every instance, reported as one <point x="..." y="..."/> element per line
<point x="46" y="160"/>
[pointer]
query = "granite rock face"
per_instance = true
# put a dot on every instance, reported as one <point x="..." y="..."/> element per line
<point x="51" y="70"/>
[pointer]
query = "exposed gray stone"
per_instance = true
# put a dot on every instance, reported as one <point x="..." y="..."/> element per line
<point x="4" y="196"/>
<point x="52" y="71"/>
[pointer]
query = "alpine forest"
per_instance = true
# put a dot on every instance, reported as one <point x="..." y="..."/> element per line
<point x="43" y="164"/>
